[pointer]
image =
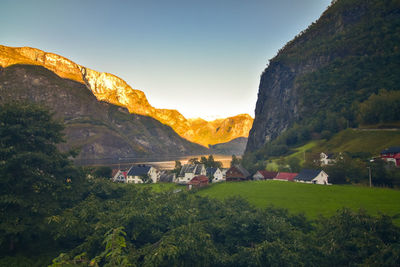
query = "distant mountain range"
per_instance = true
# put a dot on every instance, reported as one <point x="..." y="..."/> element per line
<point x="112" y="89"/>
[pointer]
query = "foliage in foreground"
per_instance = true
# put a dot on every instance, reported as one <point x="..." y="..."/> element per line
<point x="48" y="208"/>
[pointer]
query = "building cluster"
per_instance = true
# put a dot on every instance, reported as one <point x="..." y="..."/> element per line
<point x="197" y="175"/>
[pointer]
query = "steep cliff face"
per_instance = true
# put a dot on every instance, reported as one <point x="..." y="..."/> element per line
<point x="101" y="130"/>
<point x="112" y="89"/>
<point x="315" y="82"/>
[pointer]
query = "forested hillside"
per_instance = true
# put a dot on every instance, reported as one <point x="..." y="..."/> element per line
<point x="333" y="75"/>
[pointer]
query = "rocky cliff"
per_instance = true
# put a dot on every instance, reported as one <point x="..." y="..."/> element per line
<point x="112" y="89"/>
<point x="99" y="129"/>
<point x="316" y="81"/>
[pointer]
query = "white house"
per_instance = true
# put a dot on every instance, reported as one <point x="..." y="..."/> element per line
<point x="216" y="174"/>
<point x="224" y="171"/>
<point x="326" y="158"/>
<point x="189" y="171"/>
<point x="312" y="177"/>
<point x="137" y="174"/>
<point x="119" y="176"/>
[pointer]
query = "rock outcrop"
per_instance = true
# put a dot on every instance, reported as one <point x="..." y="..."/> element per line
<point x="316" y="81"/>
<point x="101" y="131"/>
<point x="112" y="89"/>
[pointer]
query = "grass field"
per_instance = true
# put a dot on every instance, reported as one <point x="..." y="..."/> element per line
<point x="159" y="187"/>
<point x="360" y="140"/>
<point x="312" y="200"/>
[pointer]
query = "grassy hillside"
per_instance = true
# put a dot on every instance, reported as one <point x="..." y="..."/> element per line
<point x="371" y="141"/>
<point x="312" y="200"/>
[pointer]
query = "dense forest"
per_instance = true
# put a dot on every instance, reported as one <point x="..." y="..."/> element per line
<point x="53" y="213"/>
<point x="343" y="71"/>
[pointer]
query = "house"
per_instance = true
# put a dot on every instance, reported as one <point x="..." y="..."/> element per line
<point x="215" y="174"/>
<point x="326" y="158"/>
<point x="119" y="176"/>
<point x="224" y="170"/>
<point x="189" y="171"/>
<point x="264" y="175"/>
<point x="237" y="173"/>
<point x="167" y="177"/>
<point x="391" y="154"/>
<point x="138" y="174"/>
<point x="312" y="177"/>
<point x="285" y="176"/>
<point x="197" y="182"/>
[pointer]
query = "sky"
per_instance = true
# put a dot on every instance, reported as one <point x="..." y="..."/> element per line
<point x="203" y="58"/>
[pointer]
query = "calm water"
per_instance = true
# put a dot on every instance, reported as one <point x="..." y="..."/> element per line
<point x="169" y="164"/>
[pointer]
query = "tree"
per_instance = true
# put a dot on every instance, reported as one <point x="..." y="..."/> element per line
<point x="194" y="161"/>
<point x="102" y="172"/>
<point x="36" y="180"/>
<point x="235" y="160"/>
<point x="178" y="167"/>
<point x="210" y="162"/>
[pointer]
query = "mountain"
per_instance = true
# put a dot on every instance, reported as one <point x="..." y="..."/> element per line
<point x="234" y="147"/>
<point x="220" y="130"/>
<point x="101" y="130"/>
<point x="112" y="89"/>
<point x="316" y="84"/>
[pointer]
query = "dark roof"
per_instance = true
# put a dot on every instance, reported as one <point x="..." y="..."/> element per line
<point x="210" y="171"/>
<point x="139" y="170"/>
<point x="241" y="170"/>
<point x="191" y="168"/>
<point x="391" y="150"/>
<point x="307" y="175"/>
<point x="289" y="176"/>
<point x="329" y="155"/>
<point x="166" y="177"/>
<point x="199" y="167"/>
<point x="187" y="168"/>
<point x="268" y="175"/>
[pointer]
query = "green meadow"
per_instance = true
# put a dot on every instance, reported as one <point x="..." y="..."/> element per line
<point x="312" y="200"/>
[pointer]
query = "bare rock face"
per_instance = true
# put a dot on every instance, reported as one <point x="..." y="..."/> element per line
<point x="112" y="89"/>
<point x="99" y="129"/>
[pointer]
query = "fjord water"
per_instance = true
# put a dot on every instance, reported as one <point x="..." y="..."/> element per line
<point x="163" y="163"/>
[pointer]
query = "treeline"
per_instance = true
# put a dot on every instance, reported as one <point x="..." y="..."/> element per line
<point x="53" y="213"/>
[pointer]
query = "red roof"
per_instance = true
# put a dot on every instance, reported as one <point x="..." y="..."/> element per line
<point x="268" y="175"/>
<point x="200" y="179"/>
<point x="114" y="172"/>
<point x="288" y="176"/>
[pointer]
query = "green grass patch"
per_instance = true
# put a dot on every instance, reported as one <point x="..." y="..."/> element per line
<point x="161" y="187"/>
<point x="273" y="165"/>
<point x="360" y="140"/>
<point x="312" y="200"/>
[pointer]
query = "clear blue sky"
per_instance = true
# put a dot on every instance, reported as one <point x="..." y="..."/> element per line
<point x="203" y="58"/>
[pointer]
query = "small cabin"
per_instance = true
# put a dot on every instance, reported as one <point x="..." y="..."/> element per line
<point x="237" y="173"/>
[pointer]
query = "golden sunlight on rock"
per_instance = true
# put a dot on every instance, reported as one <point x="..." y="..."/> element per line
<point x="110" y="88"/>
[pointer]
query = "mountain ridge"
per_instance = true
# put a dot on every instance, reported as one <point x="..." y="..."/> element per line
<point x="102" y="131"/>
<point x="110" y="88"/>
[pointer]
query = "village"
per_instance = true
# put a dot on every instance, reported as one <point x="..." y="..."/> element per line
<point x="197" y="175"/>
